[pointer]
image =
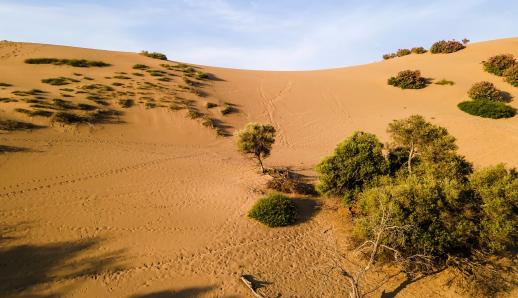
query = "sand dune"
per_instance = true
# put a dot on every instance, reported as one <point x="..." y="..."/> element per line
<point x="155" y="205"/>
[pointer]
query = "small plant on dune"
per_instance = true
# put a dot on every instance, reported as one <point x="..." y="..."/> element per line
<point x="228" y="108"/>
<point x="389" y="56"/>
<point x="150" y="105"/>
<point x="408" y="79"/>
<point x="137" y="74"/>
<point x="154" y="55"/>
<point x="5" y="84"/>
<point x="140" y="66"/>
<point x="70" y="62"/>
<point x="446" y="47"/>
<point x="498" y="64"/>
<point x="465" y="41"/>
<point x="32" y="113"/>
<point x="445" y="82"/>
<point x="511" y="75"/>
<point x="11" y="125"/>
<point x="126" y="103"/>
<point x="485" y="91"/>
<point x="418" y="50"/>
<point x="403" y="52"/>
<point x="274" y="210"/>
<point x="121" y="77"/>
<point x="59" y="81"/>
<point x="256" y="140"/>
<point x="208" y="122"/>
<point x="487" y="109"/>
<point x="211" y="105"/>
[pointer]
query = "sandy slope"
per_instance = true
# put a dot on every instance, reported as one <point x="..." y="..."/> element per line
<point x="156" y="206"/>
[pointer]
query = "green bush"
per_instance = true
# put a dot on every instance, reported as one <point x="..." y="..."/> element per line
<point x="445" y="47"/>
<point x="485" y="91"/>
<point x="274" y="210"/>
<point x="140" y="66"/>
<point x="403" y="52"/>
<point x="71" y="62"/>
<point x="418" y="50"/>
<point x="355" y="163"/>
<point x="256" y="140"/>
<point x="511" y="75"/>
<point x="389" y="56"/>
<point x="499" y="63"/>
<point x="487" y="109"/>
<point x="154" y="55"/>
<point x="408" y="79"/>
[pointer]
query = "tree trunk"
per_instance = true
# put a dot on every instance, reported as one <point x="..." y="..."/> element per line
<point x="410" y="156"/>
<point x="260" y="162"/>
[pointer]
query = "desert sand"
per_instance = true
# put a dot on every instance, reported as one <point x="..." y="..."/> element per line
<point x="155" y="205"/>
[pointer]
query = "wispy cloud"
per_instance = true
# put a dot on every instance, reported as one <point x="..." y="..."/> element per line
<point x="287" y="34"/>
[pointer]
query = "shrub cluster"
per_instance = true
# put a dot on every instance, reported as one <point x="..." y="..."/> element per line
<point x="71" y="62"/>
<point x="274" y="210"/>
<point x="485" y="91"/>
<point x="499" y="64"/>
<point x="404" y="52"/>
<point x="446" y="46"/>
<point x="154" y="55"/>
<point x="418" y="50"/>
<point x="511" y="75"/>
<point x="487" y="109"/>
<point x="408" y="79"/>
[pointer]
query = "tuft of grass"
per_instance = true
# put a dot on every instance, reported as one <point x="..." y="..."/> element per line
<point x="487" y="109"/>
<point x="117" y="84"/>
<point x="88" y="78"/>
<point x="78" y="74"/>
<point x="8" y="99"/>
<point x="138" y="74"/>
<point x="193" y="113"/>
<point x="126" y="103"/>
<point x="32" y="113"/>
<point x="228" y="108"/>
<point x="70" y="62"/>
<point x="150" y="105"/>
<point x="86" y="107"/>
<point x="208" y="122"/>
<point x="156" y="73"/>
<point x="154" y="55"/>
<point x="69" y="118"/>
<point x="121" y="77"/>
<point x="164" y="79"/>
<point x="59" y="81"/>
<point x="140" y="66"/>
<point x="5" y="84"/>
<point x="274" y="210"/>
<point x="211" y="105"/>
<point x="445" y="82"/>
<point x="12" y="125"/>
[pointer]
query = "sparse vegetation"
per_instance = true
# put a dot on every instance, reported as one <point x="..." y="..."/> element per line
<point x="59" y="81"/>
<point x="121" y="77"/>
<point x="11" y="125"/>
<point x="446" y="47"/>
<point x="154" y="55"/>
<point x="256" y="140"/>
<point x="499" y="64"/>
<point x="408" y="79"/>
<point x="211" y="105"/>
<point x="485" y="91"/>
<point x="511" y="75"/>
<point x="70" y="62"/>
<point x="33" y="113"/>
<point x="445" y="82"/>
<point x="403" y="52"/>
<point x="227" y="109"/>
<point x="274" y="210"/>
<point x="140" y="66"/>
<point x="126" y="103"/>
<point x="5" y="84"/>
<point x="487" y="109"/>
<point x="418" y="50"/>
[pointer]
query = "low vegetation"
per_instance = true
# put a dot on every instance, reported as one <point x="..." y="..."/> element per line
<point x="11" y="125"/>
<point x="70" y="62"/>
<point x="59" y="81"/>
<point x="511" y="75"/>
<point x="140" y="66"/>
<point x="408" y="79"/>
<point x="487" y="109"/>
<point x="499" y="64"/>
<point x="126" y="103"/>
<point x="404" y="52"/>
<point x="446" y="47"/>
<point x="274" y="210"/>
<point x="5" y="84"/>
<point x="256" y="140"/>
<point x="485" y="91"/>
<point x="227" y="109"/>
<point x="445" y="82"/>
<point x="154" y="55"/>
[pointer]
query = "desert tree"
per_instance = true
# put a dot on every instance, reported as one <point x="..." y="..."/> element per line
<point x="256" y="140"/>
<point x="421" y="138"/>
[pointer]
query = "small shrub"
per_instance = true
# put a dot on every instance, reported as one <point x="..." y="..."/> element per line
<point x="445" y="82"/>
<point x="227" y="109"/>
<point x="7" y="99"/>
<point x="140" y="66"/>
<point x="69" y="118"/>
<point x="408" y="79"/>
<point x="88" y="78"/>
<point x="5" y="84"/>
<point x="485" y="91"/>
<point x="208" y="122"/>
<point x="418" y="50"/>
<point x="150" y="105"/>
<point x="86" y="107"/>
<point x="389" y="56"/>
<point x="11" y="125"/>
<point x="274" y="210"/>
<point x="511" y="75"/>
<point x="33" y="113"/>
<point x="154" y="55"/>
<point x="117" y="84"/>
<point x="403" y="52"/>
<point x="137" y="74"/>
<point x="164" y="79"/>
<point x="194" y="114"/>
<point x="487" y="109"/>
<point x="446" y="47"/>
<point x="58" y="81"/>
<point x="70" y="62"/>
<point x="465" y="41"/>
<point x="211" y="105"/>
<point x="126" y="103"/>
<point x="121" y="77"/>
<point x="499" y="63"/>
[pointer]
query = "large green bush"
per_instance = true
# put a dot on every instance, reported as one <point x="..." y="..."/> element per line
<point x="485" y="91"/>
<point x="499" y="63"/>
<point x="446" y="46"/>
<point x="355" y="163"/>
<point x="511" y="75"/>
<point x="408" y="79"/>
<point x="274" y="210"/>
<point x="487" y="109"/>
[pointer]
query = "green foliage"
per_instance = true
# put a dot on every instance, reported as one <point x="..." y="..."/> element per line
<point x="71" y="62"/>
<point x="498" y="64"/>
<point x="256" y="140"/>
<point x="154" y="55"/>
<point x="140" y="66"/>
<point x="445" y="82"/>
<point x="418" y="50"/>
<point x="389" y="56"/>
<point x="487" y="109"/>
<point x="408" y="79"/>
<point x="274" y="210"/>
<point x="403" y="52"/>
<point x="354" y="164"/>
<point x="511" y="75"/>
<point x="497" y="189"/>
<point x="485" y="91"/>
<point x="445" y="47"/>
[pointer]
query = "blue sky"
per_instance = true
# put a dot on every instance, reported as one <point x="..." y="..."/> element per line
<point x="259" y="34"/>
